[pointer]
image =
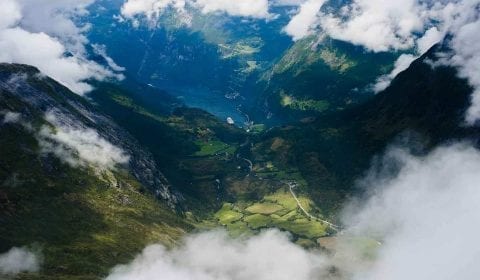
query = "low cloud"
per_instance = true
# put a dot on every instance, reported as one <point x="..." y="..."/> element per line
<point x="379" y="25"/>
<point x="10" y="117"/>
<point x="427" y="216"/>
<point x="402" y="63"/>
<point x="18" y="260"/>
<point x="78" y="146"/>
<point x="466" y="57"/>
<point x="304" y="22"/>
<point x="153" y="9"/>
<point x="420" y="220"/>
<point x="215" y="256"/>
<point x="101" y="50"/>
<point x="41" y="33"/>
<point x="410" y="26"/>
<point x="382" y="25"/>
<point x="287" y="2"/>
<point x="245" y="8"/>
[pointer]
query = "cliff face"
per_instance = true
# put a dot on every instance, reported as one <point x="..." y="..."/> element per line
<point x="38" y="97"/>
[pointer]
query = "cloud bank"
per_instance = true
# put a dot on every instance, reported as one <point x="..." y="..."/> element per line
<point x="304" y="22"/>
<point x="410" y="26"/>
<point x="153" y="9"/>
<point x="379" y="25"/>
<point x="18" y="260"/>
<point x="245" y="8"/>
<point x="402" y="63"/>
<point x="78" y="146"/>
<point x="466" y="57"/>
<point x="215" y="256"/>
<point x="10" y="117"/>
<point x="41" y="33"/>
<point x="424" y="216"/>
<point x="427" y="215"/>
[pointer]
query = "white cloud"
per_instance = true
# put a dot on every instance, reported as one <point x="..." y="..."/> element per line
<point x="153" y="9"/>
<point x="426" y="217"/>
<point x="305" y="20"/>
<point x="101" y="50"/>
<point x="215" y="256"/>
<point x="382" y="25"/>
<point x="18" y="260"/>
<point x="11" y="117"/>
<point x="287" y="2"/>
<point x="402" y="63"/>
<point x="412" y="26"/>
<point x="41" y="32"/>
<point x="38" y="49"/>
<point x="244" y="8"/>
<point x="466" y="57"/>
<point x="55" y="18"/>
<point x="78" y="146"/>
<point x="9" y="13"/>
<point x="379" y="25"/>
<point x="431" y="37"/>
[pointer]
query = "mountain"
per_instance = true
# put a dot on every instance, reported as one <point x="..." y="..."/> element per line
<point x="171" y="54"/>
<point x="423" y="107"/>
<point x="225" y="174"/>
<point x="74" y="185"/>
<point x="255" y="71"/>
<point x="318" y="75"/>
<point x="89" y="181"/>
<point x="186" y="143"/>
<point x="81" y="176"/>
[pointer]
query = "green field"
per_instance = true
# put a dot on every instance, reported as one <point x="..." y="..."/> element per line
<point x="276" y="210"/>
<point x="212" y="148"/>
<point x="303" y="104"/>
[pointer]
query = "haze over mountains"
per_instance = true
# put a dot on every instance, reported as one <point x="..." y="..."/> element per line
<point x="196" y="139"/>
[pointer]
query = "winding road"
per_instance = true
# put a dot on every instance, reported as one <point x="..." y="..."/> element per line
<point x="291" y="186"/>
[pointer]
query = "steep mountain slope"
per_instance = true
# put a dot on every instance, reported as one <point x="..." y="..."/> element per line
<point x="171" y="52"/>
<point x="318" y="75"/>
<point x="227" y="180"/>
<point x="424" y="106"/>
<point x="74" y="185"/>
<point x="187" y="144"/>
<point x="80" y="180"/>
<point x="73" y="112"/>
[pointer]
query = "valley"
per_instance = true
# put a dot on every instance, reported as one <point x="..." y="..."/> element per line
<point x="171" y="139"/>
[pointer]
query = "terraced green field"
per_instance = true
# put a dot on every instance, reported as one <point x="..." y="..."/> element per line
<point x="213" y="147"/>
<point x="303" y="104"/>
<point x="276" y="210"/>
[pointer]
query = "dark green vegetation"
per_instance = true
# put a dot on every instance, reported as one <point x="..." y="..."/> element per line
<point x="319" y="75"/>
<point x="192" y="148"/>
<point x="422" y="108"/>
<point x="212" y="163"/>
